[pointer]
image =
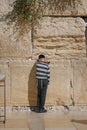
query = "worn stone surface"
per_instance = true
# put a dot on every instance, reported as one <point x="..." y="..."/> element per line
<point x="84" y="3"/>
<point x="80" y="81"/>
<point x="60" y="38"/>
<point x="12" y="45"/>
<point x="59" y="91"/>
<point x="5" y="6"/>
<point x="4" y="69"/>
<point x="67" y="86"/>
<point x="62" y="34"/>
<point x="23" y="83"/>
<point x="78" y="9"/>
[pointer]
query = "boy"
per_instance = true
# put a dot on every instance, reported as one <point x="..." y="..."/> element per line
<point x="42" y="76"/>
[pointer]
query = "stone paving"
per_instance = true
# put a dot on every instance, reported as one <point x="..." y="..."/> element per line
<point x="52" y="120"/>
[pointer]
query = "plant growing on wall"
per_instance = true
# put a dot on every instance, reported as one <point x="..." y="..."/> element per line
<point x="26" y="13"/>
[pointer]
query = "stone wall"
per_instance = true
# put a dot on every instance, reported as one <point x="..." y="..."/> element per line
<point x="62" y="40"/>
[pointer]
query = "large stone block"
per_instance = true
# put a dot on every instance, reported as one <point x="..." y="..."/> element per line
<point x="59" y="90"/>
<point x="79" y="8"/>
<point x="23" y="83"/>
<point x="4" y="69"/>
<point x="80" y="81"/>
<point x="84" y="3"/>
<point x="60" y="38"/>
<point x="5" y="6"/>
<point x="11" y="45"/>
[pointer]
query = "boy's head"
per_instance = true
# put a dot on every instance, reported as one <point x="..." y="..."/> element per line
<point x="41" y="57"/>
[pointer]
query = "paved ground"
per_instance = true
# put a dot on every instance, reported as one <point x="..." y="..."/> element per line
<point x="58" y="120"/>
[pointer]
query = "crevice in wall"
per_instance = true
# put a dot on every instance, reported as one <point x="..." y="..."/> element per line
<point x="71" y="84"/>
<point x="72" y="93"/>
<point x="31" y="44"/>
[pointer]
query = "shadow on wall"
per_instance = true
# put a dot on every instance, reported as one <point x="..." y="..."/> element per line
<point x="32" y="88"/>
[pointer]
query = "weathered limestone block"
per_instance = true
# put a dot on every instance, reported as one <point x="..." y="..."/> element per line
<point x="80" y="81"/>
<point x="60" y="38"/>
<point x="80" y="8"/>
<point x="5" y="6"/>
<point x="4" y="69"/>
<point x="59" y="91"/>
<point x="84" y="3"/>
<point x="23" y="83"/>
<point x="68" y="82"/>
<point x="12" y="45"/>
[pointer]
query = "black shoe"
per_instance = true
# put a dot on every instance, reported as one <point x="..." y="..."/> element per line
<point x="37" y="110"/>
<point x="43" y="110"/>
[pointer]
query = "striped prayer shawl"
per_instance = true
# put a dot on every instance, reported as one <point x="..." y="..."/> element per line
<point x="42" y="70"/>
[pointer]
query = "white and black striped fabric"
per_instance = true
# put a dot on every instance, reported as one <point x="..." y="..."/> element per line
<point x="42" y="70"/>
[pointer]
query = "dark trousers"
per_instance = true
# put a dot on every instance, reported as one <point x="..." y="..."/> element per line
<point x="41" y="96"/>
